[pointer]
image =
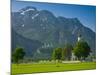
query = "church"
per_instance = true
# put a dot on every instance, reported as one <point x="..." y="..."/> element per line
<point x="73" y="57"/>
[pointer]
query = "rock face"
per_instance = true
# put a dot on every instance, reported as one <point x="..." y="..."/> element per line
<point x="41" y="29"/>
<point x="29" y="45"/>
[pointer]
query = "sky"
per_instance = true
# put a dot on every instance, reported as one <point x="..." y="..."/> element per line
<point x="85" y="13"/>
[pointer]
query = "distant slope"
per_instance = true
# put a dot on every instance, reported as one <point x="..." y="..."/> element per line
<point x="29" y="45"/>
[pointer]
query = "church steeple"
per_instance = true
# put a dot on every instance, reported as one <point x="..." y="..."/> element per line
<point x="79" y="37"/>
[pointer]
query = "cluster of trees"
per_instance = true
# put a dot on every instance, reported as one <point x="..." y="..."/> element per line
<point x="62" y="53"/>
<point x="81" y="51"/>
<point x="18" y="55"/>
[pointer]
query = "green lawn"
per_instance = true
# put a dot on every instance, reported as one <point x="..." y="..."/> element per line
<point x="51" y="67"/>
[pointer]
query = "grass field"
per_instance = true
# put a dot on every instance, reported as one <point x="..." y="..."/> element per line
<point x="51" y="67"/>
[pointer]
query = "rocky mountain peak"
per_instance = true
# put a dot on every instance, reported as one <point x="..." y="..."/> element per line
<point x="27" y="9"/>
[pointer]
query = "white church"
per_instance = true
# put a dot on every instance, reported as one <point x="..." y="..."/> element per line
<point x="73" y="57"/>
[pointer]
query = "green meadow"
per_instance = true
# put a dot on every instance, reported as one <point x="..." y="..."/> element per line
<point x="26" y="68"/>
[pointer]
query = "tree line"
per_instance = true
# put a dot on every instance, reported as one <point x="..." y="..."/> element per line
<point x="81" y="51"/>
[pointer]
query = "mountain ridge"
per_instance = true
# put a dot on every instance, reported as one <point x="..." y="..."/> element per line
<point x="45" y="27"/>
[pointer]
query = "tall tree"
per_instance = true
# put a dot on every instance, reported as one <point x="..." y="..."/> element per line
<point x="18" y="54"/>
<point x="82" y="50"/>
<point x="57" y="54"/>
<point x="63" y="54"/>
<point x="67" y="52"/>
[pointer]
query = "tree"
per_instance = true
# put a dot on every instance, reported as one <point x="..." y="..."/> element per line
<point x="67" y="52"/>
<point x="57" y="54"/>
<point x="18" y="55"/>
<point x="64" y="54"/>
<point x="82" y="50"/>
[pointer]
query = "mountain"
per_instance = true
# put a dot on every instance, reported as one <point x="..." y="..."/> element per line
<point x="43" y="27"/>
<point x="29" y="45"/>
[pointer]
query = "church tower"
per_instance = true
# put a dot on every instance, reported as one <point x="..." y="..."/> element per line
<point x="79" y="37"/>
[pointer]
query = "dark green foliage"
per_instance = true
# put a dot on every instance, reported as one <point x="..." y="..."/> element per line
<point x="18" y="55"/>
<point x="67" y="52"/>
<point x="64" y="54"/>
<point x="81" y="50"/>
<point x="57" y="54"/>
